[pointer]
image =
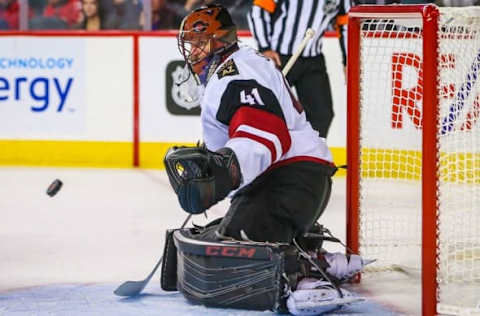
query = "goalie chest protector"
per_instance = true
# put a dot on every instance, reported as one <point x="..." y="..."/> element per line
<point x="228" y="274"/>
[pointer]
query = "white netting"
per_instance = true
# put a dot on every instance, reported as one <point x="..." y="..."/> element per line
<point x="390" y="143"/>
<point x="459" y="163"/>
<point x="391" y="95"/>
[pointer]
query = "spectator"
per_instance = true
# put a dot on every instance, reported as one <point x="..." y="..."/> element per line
<point x="416" y="1"/>
<point x="458" y="3"/>
<point x="163" y="16"/>
<point x="37" y="6"/>
<point x="123" y="14"/>
<point x="3" y="24"/>
<point x="9" y="14"/>
<point x="92" y="16"/>
<point x="184" y="7"/>
<point x="66" y="10"/>
<point x="278" y="28"/>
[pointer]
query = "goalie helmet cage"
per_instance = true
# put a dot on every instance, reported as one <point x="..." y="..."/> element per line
<point x="413" y="182"/>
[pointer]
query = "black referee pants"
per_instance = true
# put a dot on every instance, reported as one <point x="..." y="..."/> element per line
<point x="310" y="78"/>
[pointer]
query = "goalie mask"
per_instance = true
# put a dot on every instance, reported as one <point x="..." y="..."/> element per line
<point x="206" y="38"/>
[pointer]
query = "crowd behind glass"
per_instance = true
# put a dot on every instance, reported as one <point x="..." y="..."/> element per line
<point x="105" y="14"/>
<point x="146" y="15"/>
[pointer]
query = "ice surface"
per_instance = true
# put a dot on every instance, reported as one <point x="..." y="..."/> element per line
<point x="64" y="255"/>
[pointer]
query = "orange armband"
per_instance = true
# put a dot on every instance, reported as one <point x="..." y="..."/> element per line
<point x="267" y="5"/>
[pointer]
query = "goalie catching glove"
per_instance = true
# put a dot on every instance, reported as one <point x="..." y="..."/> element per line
<point x="200" y="177"/>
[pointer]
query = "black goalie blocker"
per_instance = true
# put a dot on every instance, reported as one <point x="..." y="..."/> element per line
<point x="200" y="177"/>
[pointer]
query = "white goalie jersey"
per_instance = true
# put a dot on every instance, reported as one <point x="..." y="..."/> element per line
<point x="248" y="107"/>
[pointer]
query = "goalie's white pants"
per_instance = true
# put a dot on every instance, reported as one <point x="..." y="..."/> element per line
<point x="315" y="297"/>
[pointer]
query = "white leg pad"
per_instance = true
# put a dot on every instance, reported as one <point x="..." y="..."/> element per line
<point x="314" y="297"/>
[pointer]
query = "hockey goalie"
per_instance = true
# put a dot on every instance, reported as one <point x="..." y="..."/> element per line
<point x="259" y="149"/>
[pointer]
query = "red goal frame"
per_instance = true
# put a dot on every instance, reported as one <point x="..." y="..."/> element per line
<point x="430" y="16"/>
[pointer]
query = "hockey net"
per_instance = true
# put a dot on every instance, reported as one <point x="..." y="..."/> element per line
<point x="414" y="148"/>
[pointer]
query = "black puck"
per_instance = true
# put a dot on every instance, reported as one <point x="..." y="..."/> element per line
<point x="54" y="187"/>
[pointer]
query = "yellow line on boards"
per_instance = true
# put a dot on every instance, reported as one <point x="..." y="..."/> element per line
<point x="98" y="154"/>
<point x="66" y="153"/>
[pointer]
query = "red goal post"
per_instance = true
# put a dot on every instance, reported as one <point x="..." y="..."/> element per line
<point x="413" y="104"/>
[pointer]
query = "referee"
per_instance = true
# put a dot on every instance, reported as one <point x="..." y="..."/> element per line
<point x="279" y="26"/>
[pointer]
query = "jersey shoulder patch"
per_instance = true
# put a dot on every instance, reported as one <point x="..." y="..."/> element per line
<point x="227" y="69"/>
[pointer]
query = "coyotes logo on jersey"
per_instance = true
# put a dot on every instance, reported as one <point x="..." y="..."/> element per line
<point x="228" y="69"/>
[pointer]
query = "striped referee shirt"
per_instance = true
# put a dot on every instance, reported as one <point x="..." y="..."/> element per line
<point x="280" y="25"/>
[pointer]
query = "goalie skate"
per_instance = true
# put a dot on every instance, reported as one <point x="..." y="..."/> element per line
<point x="314" y="297"/>
<point x="345" y="267"/>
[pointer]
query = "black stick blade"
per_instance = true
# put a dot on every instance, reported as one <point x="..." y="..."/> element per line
<point x="131" y="288"/>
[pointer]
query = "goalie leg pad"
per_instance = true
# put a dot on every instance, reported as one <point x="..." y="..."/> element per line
<point x="168" y="278"/>
<point x="231" y="274"/>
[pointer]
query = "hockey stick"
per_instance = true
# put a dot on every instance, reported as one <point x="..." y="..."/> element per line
<point x="308" y="36"/>
<point x="133" y="288"/>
